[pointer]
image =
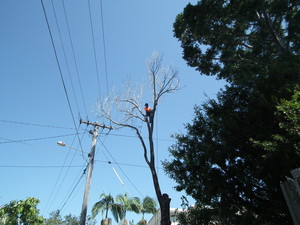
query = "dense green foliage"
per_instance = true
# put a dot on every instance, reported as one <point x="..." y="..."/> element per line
<point x="25" y="212"/>
<point x="241" y="145"/>
<point x="200" y="214"/>
<point x="237" y="40"/>
<point x="21" y="212"/>
<point x="56" y="219"/>
<point x="288" y="113"/>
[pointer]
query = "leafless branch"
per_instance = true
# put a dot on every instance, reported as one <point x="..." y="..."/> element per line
<point x="138" y="133"/>
<point x="162" y="80"/>
<point x="124" y="109"/>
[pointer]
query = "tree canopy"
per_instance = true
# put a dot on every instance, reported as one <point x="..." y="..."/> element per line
<point x="21" y="212"/>
<point x="223" y="160"/>
<point x="227" y="38"/>
<point x="56" y="219"/>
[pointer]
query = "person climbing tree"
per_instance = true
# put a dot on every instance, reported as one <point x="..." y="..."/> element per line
<point x="148" y="110"/>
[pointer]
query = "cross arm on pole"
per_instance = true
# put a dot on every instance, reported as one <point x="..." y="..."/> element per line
<point x="95" y="124"/>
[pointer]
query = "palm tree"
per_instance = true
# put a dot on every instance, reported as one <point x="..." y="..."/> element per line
<point x="105" y="204"/>
<point x="127" y="204"/>
<point x="148" y="206"/>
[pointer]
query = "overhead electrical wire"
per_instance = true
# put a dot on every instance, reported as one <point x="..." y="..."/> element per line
<point x="35" y="139"/>
<point x="133" y="136"/>
<point x="94" y="48"/>
<point x="64" y="54"/>
<point x="38" y="166"/>
<point x="64" y="177"/>
<point x="56" y="182"/>
<point x="104" y="46"/>
<point x="123" y="164"/>
<point x="116" y="173"/>
<point x="74" y="194"/>
<point x="73" y="166"/>
<point x="37" y="125"/>
<point x="74" y="57"/>
<point x="65" y="89"/>
<point x="68" y="171"/>
<point x="70" y="128"/>
<point x="121" y="168"/>
<point x="73" y="189"/>
<point x="60" y="71"/>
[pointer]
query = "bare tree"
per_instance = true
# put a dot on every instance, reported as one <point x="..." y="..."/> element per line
<point x="128" y="104"/>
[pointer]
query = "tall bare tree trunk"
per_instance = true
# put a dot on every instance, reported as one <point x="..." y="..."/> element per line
<point x="163" y="199"/>
<point x="163" y="80"/>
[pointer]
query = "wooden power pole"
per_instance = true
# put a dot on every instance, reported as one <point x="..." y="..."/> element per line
<point x="90" y="169"/>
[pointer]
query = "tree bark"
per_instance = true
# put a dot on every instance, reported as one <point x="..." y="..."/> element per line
<point x="165" y="210"/>
<point x="163" y="199"/>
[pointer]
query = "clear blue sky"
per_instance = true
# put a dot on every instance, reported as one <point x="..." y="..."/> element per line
<point x="34" y="108"/>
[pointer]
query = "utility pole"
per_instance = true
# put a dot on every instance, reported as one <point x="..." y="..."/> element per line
<point x="90" y="169"/>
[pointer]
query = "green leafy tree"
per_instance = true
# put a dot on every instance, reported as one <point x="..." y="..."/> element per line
<point x="227" y="38"/>
<point x="71" y="220"/>
<point x="217" y="163"/>
<point x="105" y="204"/>
<point x="148" y="205"/>
<point x="56" y="219"/>
<point x="127" y="205"/>
<point x="288" y="114"/>
<point x="196" y="214"/>
<point x="289" y="111"/>
<point x="253" y="45"/>
<point x="21" y="212"/>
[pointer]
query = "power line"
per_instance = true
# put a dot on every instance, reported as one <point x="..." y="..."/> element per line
<point x="69" y="128"/>
<point x="38" y="166"/>
<point x="56" y="182"/>
<point x="74" y="193"/>
<point x="94" y="48"/>
<point x="64" y="177"/>
<point x="60" y="71"/>
<point x="74" y="58"/>
<point x="121" y="169"/>
<point x="37" y="125"/>
<point x="104" y="46"/>
<point x="34" y="139"/>
<point x="71" y="166"/>
<point x="64" y="53"/>
<point x="124" y="164"/>
<point x="69" y="196"/>
<point x="133" y="136"/>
